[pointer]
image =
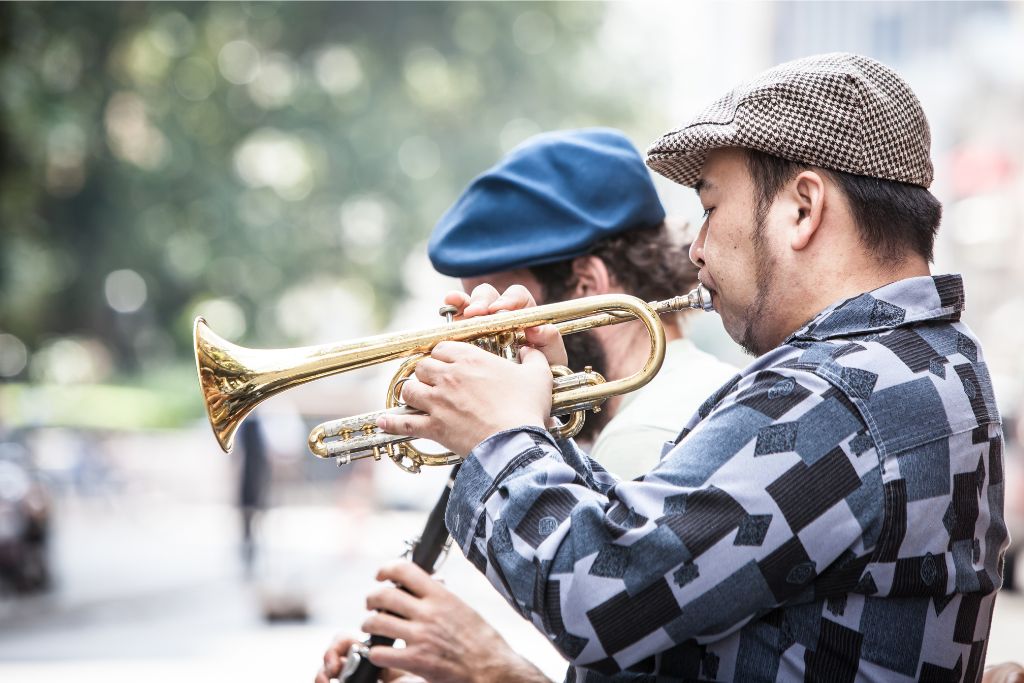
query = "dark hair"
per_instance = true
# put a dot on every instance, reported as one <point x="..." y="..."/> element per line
<point x="893" y="217"/>
<point x="647" y="262"/>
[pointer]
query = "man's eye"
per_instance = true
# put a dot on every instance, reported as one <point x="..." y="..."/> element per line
<point x="707" y="212"/>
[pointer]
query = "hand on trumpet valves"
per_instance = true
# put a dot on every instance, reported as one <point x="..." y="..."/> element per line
<point x="468" y="394"/>
<point x="485" y="300"/>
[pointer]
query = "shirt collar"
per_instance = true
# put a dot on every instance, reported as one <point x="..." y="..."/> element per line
<point x="913" y="300"/>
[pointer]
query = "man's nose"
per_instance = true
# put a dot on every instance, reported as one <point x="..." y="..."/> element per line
<point x="697" y="247"/>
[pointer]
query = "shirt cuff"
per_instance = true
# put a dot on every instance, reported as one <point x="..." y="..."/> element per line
<point x="482" y="473"/>
<point x="507" y="451"/>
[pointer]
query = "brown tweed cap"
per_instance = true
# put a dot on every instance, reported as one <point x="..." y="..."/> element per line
<point x="838" y="111"/>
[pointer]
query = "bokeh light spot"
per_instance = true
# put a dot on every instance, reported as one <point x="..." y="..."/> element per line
<point x="515" y="132"/>
<point x="338" y="70"/>
<point x="195" y="79"/>
<point x="270" y="158"/>
<point x="473" y="31"/>
<point x="61" y="65"/>
<point x="534" y="32"/>
<point x="173" y="35"/>
<point x="419" y="157"/>
<point x="71" y="360"/>
<point x="239" y="62"/>
<point x="326" y="310"/>
<point x="365" y="222"/>
<point x="224" y="316"/>
<point x="274" y="83"/>
<point x="125" y="291"/>
<point x="429" y="78"/>
<point x="132" y="135"/>
<point x="13" y="355"/>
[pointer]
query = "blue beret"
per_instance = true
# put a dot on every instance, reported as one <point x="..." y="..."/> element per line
<point x="548" y="200"/>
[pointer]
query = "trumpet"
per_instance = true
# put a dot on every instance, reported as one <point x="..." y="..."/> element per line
<point x="234" y="379"/>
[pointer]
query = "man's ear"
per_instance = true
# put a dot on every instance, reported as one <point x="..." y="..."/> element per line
<point x="808" y="194"/>
<point x="591" y="275"/>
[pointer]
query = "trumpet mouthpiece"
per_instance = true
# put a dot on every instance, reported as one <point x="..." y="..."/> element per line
<point x="699" y="297"/>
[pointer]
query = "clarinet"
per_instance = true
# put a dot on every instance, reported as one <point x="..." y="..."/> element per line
<point x="425" y="550"/>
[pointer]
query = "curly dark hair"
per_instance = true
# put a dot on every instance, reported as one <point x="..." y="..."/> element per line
<point x="648" y="263"/>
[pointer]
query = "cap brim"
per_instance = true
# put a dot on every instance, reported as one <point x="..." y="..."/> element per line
<point x="680" y="155"/>
<point x="680" y="167"/>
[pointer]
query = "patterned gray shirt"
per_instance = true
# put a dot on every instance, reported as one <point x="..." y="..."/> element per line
<point x="834" y="512"/>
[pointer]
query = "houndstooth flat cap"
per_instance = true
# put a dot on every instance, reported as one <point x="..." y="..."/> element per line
<point x="838" y="111"/>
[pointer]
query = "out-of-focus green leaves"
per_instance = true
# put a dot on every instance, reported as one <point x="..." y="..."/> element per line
<point x="99" y="406"/>
<point x="250" y="156"/>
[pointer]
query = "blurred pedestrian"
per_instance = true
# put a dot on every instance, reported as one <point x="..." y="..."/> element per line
<point x="253" y="484"/>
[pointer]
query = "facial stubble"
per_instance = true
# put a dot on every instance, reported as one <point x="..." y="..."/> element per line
<point x="752" y="338"/>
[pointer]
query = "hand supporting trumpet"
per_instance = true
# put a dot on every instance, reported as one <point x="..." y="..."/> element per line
<point x="468" y="394"/>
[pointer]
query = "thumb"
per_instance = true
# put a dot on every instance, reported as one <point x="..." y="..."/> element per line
<point x="529" y="356"/>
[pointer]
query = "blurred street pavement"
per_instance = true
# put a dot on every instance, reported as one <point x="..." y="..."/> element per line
<point x="156" y="591"/>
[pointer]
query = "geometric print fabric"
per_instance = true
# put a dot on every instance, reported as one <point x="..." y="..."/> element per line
<point x="837" y="536"/>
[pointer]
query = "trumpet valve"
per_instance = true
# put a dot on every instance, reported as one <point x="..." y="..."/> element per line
<point x="448" y="312"/>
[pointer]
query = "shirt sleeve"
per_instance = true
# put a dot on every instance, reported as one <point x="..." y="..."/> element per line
<point x="765" y="494"/>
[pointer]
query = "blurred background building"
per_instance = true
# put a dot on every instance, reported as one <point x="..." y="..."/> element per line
<point x="277" y="168"/>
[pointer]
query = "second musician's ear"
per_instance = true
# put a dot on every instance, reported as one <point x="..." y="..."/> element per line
<point x="591" y="276"/>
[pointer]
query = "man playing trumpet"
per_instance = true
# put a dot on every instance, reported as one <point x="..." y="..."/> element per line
<point x="566" y="215"/>
<point x="833" y="513"/>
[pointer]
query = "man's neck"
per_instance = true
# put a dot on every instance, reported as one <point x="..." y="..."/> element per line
<point x="844" y="281"/>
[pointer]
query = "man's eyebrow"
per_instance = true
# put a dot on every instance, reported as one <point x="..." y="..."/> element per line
<point x="702" y="185"/>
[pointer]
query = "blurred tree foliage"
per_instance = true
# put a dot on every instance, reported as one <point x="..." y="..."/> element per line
<point x="156" y="155"/>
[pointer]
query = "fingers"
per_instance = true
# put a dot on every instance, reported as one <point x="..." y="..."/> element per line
<point x="547" y="340"/>
<point x="485" y="299"/>
<point x="417" y="394"/>
<point x="334" y="658"/>
<point x="390" y="626"/>
<point x="405" y="424"/>
<point x="480" y="300"/>
<point x="388" y="657"/>
<point x="429" y="370"/>
<point x="513" y="298"/>
<point x="531" y="356"/>
<point x="408" y="575"/>
<point x="394" y="600"/>
<point x="451" y="351"/>
<point x="457" y="299"/>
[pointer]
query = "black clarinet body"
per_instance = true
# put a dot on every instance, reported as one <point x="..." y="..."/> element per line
<point x="425" y="552"/>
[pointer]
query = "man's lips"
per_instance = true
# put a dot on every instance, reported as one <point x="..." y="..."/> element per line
<point x="708" y="284"/>
<point x="707" y="281"/>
